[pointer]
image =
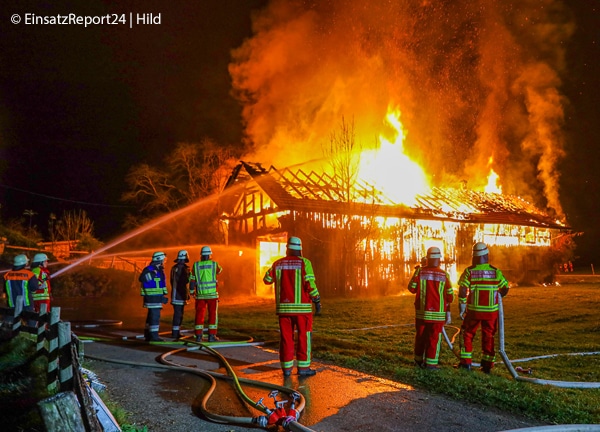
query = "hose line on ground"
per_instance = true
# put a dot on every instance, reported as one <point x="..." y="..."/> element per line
<point x="508" y="363"/>
<point x="516" y="376"/>
<point x="258" y="422"/>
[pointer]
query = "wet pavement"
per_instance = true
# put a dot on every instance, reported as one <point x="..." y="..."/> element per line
<point x="337" y="399"/>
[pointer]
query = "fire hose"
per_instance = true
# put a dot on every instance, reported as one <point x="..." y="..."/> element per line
<point x="515" y="371"/>
<point x="288" y="419"/>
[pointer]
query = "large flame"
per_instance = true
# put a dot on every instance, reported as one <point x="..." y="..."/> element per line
<point x="389" y="169"/>
<point x="493" y="183"/>
<point x="471" y="78"/>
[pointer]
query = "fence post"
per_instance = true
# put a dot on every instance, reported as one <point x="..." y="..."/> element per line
<point x="65" y="358"/>
<point x="53" y="350"/>
<point x="41" y="327"/>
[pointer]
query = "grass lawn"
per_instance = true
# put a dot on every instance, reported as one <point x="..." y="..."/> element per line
<point x="376" y="336"/>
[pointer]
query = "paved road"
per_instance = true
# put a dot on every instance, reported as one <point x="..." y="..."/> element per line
<point x="337" y="399"/>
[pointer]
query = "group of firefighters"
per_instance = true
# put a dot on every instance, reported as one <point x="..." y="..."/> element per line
<point x="29" y="285"/>
<point x="479" y="288"/>
<point x="295" y="294"/>
<point x="199" y="282"/>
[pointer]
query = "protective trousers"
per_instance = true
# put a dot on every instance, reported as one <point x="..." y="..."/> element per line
<point x="428" y="338"/>
<point x="152" y="324"/>
<point x="467" y="333"/>
<point x="177" y="320"/>
<point x="37" y="305"/>
<point x="288" y="324"/>
<point x="213" y="316"/>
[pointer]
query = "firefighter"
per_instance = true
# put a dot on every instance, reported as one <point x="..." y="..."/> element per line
<point x="295" y="292"/>
<point x="204" y="288"/>
<point x="154" y="291"/>
<point x="39" y="266"/>
<point x="478" y="288"/>
<point x="180" y="275"/>
<point x="434" y="294"/>
<point x="20" y="282"/>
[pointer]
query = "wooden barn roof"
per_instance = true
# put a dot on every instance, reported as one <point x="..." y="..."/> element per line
<point x="313" y="192"/>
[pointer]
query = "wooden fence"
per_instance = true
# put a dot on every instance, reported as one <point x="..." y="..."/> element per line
<point x="71" y="406"/>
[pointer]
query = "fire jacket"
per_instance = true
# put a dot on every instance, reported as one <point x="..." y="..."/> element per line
<point x="44" y="291"/>
<point x="434" y="293"/>
<point x="154" y="286"/>
<point x="180" y="276"/>
<point x="295" y="287"/>
<point x="479" y="286"/>
<point x="203" y="279"/>
<point x="21" y="282"/>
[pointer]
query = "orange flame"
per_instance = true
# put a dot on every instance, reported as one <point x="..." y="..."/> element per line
<point x="493" y="180"/>
<point x="390" y="170"/>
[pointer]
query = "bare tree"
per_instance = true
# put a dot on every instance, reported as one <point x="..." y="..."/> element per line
<point x="73" y="225"/>
<point x="341" y="151"/>
<point x="200" y="169"/>
<point x="151" y="188"/>
<point x="30" y="214"/>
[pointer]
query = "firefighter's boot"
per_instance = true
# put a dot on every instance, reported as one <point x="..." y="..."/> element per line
<point x="306" y="372"/>
<point x="175" y="334"/>
<point x="464" y="366"/>
<point x="212" y="338"/>
<point x="154" y="337"/>
<point x="486" y="366"/>
<point x="199" y="338"/>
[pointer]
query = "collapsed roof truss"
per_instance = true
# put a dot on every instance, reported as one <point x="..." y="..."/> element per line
<point x="320" y="192"/>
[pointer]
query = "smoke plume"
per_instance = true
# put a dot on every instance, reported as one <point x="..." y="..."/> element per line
<point x="474" y="81"/>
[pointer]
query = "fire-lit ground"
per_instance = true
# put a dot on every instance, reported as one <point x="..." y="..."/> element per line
<point x="336" y="398"/>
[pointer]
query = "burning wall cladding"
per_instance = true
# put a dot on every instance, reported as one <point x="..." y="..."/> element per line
<point x="447" y="218"/>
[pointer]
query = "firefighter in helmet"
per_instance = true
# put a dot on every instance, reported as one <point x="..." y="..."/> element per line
<point x="204" y="288"/>
<point x="295" y="292"/>
<point x="20" y="284"/>
<point x="154" y="291"/>
<point x="39" y="266"/>
<point x="434" y="294"/>
<point x="478" y="289"/>
<point x="179" y="278"/>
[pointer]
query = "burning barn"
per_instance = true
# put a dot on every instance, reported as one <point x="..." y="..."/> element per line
<point x="363" y="242"/>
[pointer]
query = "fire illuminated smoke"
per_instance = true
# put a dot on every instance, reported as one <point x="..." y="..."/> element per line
<point x="471" y="79"/>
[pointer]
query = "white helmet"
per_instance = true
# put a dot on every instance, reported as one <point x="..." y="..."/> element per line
<point x="20" y="260"/>
<point x="159" y="256"/>
<point x="433" y="253"/>
<point x="182" y="255"/>
<point x="205" y="251"/>
<point x="480" y="249"/>
<point x="294" y="243"/>
<point x="39" y="258"/>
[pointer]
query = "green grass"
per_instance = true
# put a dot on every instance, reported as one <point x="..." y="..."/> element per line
<point x="376" y="336"/>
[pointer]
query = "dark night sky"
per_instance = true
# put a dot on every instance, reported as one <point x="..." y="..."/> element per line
<point x="80" y="106"/>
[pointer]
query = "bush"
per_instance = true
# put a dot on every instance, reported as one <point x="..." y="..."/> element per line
<point x="93" y="282"/>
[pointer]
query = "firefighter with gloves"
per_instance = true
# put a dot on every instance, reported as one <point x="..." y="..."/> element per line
<point x="478" y="289"/>
<point x="154" y="291"/>
<point x="179" y="279"/>
<point x="295" y="292"/>
<point x="434" y="294"/>
<point x="204" y="288"/>
<point x="20" y="282"/>
<point x="39" y="266"/>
